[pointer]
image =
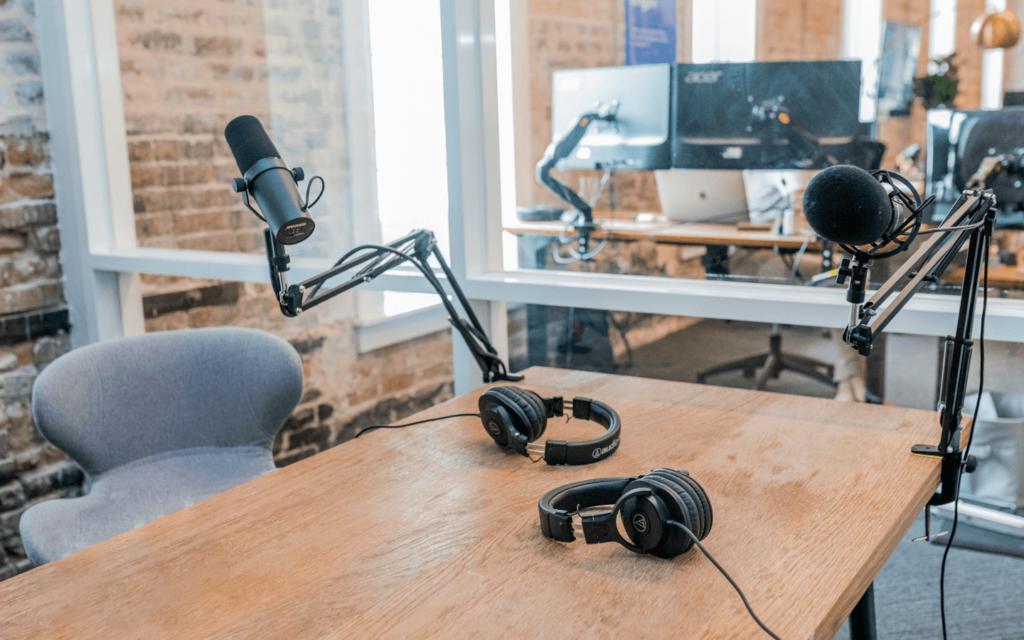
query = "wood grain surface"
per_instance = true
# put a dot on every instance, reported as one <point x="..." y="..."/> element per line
<point x="433" y="531"/>
<point x="675" y="233"/>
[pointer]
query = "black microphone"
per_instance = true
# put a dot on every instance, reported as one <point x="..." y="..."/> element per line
<point x="847" y="205"/>
<point x="269" y="180"/>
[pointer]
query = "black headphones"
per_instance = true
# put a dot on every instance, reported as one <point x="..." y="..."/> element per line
<point x="648" y="505"/>
<point x="516" y="417"/>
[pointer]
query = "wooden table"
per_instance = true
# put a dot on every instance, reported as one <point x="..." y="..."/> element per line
<point x="433" y="531"/>
<point x="676" y="233"/>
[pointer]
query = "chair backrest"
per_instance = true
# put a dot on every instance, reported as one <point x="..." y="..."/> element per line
<point x="873" y="152"/>
<point x="112" y="403"/>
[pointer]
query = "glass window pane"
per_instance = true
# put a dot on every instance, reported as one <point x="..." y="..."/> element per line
<point x="698" y="169"/>
<point x="317" y="82"/>
<point x="408" y="91"/>
<point x="724" y="30"/>
<point x="942" y="32"/>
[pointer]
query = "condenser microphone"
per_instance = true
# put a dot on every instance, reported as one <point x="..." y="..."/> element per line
<point x="847" y="205"/>
<point x="269" y="180"/>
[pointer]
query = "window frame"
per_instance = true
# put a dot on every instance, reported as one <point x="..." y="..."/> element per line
<point x="81" y="72"/>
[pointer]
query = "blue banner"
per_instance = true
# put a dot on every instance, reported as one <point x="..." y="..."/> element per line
<point x="650" y="31"/>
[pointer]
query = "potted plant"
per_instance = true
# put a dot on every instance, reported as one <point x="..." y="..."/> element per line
<point x="939" y="88"/>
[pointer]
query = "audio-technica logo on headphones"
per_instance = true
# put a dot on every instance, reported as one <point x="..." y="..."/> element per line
<point x="494" y="427"/>
<point x="598" y="452"/>
<point x="640" y="522"/>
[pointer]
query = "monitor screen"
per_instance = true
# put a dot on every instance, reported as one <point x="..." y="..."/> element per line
<point x="639" y="95"/>
<point x="722" y="113"/>
<point x="958" y="142"/>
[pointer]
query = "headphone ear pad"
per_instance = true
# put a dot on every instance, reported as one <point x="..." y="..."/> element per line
<point x="525" y="404"/>
<point x="693" y="496"/>
<point x="687" y="504"/>
<point x="699" y="496"/>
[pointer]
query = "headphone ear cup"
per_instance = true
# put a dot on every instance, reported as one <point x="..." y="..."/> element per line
<point x="527" y="405"/>
<point x="693" y="496"/>
<point x="673" y="542"/>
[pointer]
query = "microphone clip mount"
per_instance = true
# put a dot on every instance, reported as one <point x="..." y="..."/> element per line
<point x="243" y="185"/>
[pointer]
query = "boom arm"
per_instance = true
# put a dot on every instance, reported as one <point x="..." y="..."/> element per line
<point x="971" y="220"/>
<point x="416" y="248"/>
<point x="562" y="148"/>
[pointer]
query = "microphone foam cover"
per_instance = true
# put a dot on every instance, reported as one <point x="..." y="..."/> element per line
<point x="249" y="142"/>
<point x="847" y="205"/>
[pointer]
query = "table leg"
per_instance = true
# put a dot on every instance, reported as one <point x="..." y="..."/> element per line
<point x="716" y="260"/>
<point x="874" y="374"/>
<point x="862" y="618"/>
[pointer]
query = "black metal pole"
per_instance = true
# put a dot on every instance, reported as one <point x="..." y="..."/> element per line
<point x="862" y="618"/>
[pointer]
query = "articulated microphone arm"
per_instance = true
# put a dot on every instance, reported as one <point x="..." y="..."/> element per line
<point x="971" y="220"/>
<point x="562" y="148"/>
<point x="415" y="248"/>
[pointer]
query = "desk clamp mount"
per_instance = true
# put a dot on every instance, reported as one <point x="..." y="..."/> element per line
<point x="561" y="149"/>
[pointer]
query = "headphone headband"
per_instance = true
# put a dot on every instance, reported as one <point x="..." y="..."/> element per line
<point x="580" y="451"/>
<point x="558" y="506"/>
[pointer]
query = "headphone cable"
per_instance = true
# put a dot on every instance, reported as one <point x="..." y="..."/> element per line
<point x="727" y="577"/>
<point x="410" y="424"/>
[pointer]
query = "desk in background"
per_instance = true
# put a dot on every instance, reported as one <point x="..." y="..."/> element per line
<point x="536" y="240"/>
<point x="432" y="531"/>
<point x="698" y="233"/>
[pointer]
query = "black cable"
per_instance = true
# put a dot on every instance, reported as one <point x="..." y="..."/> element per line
<point x="309" y="185"/>
<point x="727" y="577"/>
<point x="965" y="227"/>
<point x="410" y="424"/>
<point x="970" y="439"/>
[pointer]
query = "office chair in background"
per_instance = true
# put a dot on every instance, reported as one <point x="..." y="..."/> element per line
<point x="866" y="154"/>
<point x="158" y="422"/>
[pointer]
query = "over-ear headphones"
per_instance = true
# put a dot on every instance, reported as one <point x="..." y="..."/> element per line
<point x="515" y="418"/>
<point x="647" y="505"/>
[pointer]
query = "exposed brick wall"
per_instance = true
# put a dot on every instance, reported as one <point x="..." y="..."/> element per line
<point x="568" y="34"/>
<point x="33" y="318"/>
<point x="188" y="68"/>
<point x="969" y="56"/>
<point x="799" y="29"/>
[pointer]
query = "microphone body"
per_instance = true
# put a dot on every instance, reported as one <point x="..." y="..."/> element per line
<point x="847" y="205"/>
<point x="269" y="181"/>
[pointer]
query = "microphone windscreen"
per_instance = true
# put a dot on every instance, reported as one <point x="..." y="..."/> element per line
<point x="847" y="205"/>
<point x="249" y="142"/>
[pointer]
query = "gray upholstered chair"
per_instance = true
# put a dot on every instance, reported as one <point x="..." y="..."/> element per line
<point x="158" y="422"/>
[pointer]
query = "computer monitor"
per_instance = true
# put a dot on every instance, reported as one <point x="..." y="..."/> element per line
<point x="638" y="139"/>
<point x="958" y="141"/>
<point x="1013" y="99"/>
<point x="721" y="116"/>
